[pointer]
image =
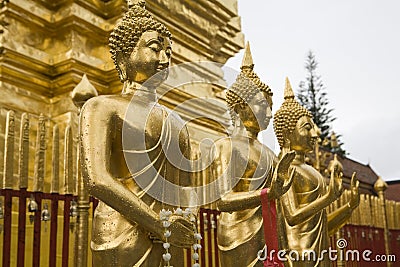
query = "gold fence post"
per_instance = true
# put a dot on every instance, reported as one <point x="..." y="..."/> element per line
<point x="8" y="173"/>
<point x="82" y="92"/>
<point x="380" y="187"/>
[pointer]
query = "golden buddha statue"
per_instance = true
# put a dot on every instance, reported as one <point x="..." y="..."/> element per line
<point x="127" y="229"/>
<point x="303" y="222"/>
<point x="248" y="168"/>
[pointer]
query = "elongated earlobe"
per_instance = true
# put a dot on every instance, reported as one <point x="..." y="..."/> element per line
<point x="237" y="108"/>
<point x="121" y="67"/>
<point x="286" y="146"/>
<point x="237" y="121"/>
<point x="286" y="140"/>
<point x="287" y="143"/>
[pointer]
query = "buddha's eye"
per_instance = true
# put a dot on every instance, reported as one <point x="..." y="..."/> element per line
<point x="307" y="127"/>
<point x="155" y="47"/>
<point x="263" y="103"/>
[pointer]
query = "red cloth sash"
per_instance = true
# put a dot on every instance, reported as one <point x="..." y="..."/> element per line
<point x="270" y="229"/>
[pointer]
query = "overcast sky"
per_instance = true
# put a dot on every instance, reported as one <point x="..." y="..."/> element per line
<point x="357" y="46"/>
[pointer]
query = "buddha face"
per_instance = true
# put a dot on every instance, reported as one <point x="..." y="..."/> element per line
<point x="257" y="113"/>
<point x="151" y="55"/>
<point x="304" y="136"/>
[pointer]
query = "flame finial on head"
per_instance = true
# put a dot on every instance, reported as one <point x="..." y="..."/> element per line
<point x="247" y="58"/>
<point x="247" y="69"/>
<point x="132" y="3"/>
<point x="247" y="84"/>
<point x="288" y="90"/>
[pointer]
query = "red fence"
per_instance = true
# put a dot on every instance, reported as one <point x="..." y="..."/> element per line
<point x="23" y="203"/>
<point x="357" y="237"/>
<point x="365" y="246"/>
<point x="208" y="228"/>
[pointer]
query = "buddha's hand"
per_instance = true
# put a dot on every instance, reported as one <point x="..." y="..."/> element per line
<point x="182" y="234"/>
<point x="336" y="183"/>
<point x="283" y="176"/>
<point x="354" y="194"/>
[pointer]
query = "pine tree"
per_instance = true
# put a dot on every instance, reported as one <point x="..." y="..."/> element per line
<point x="312" y="95"/>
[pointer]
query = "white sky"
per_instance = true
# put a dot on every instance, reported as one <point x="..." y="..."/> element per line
<point x="357" y="45"/>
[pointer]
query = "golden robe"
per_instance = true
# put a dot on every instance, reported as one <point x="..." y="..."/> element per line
<point x="308" y="237"/>
<point x="240" y="233"/>
<point x="116" y="241"/>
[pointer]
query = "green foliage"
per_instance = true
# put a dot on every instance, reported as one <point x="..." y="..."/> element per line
<point x="313" y="96"/>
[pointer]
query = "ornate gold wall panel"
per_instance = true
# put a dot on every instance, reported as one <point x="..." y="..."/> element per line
<point x="48" y="45"/>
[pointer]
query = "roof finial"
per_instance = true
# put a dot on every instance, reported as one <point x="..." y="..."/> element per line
<point x="247" y="58"/>
<point x="132" y="3"/>
<point x="288" y="90"/>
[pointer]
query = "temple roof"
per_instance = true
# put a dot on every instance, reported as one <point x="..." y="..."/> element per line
<point x="393" y="190"/>
<point x="365" y="173"/>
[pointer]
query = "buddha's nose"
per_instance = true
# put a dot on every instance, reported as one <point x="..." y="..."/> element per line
<point x="164" y="59"/>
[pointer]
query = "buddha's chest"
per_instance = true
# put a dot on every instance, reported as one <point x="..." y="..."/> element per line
<point x="253" y="165"/>
<point x="308" y="184"/>
<point x="156" y="128"/>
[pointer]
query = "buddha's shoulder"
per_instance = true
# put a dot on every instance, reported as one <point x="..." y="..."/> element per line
<point x="106" y="103"/>
<point x="109" y="98"/>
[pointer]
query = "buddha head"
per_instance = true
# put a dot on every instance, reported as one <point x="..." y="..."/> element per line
<point x="249" y="99"/>
<point x="293" y="124"/>
<point x="140" y="45"/>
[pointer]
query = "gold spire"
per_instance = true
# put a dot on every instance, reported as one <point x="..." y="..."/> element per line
<point x="288" y="90"/>
<point x="335" y="162"/>
<point x="132" y="3"/>
<point x="83" y="92"/>
<point x="334" y="141"/>
<point x="247" y="58"/>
